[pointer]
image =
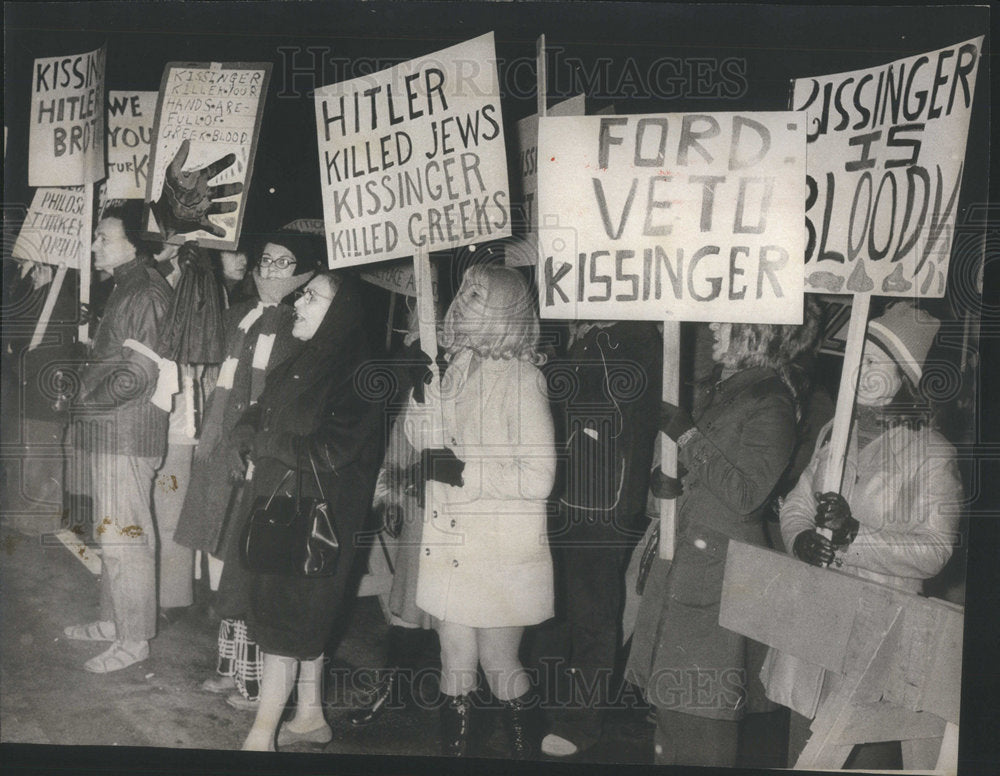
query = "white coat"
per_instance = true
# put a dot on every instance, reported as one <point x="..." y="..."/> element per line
<point x="484" y="555"/>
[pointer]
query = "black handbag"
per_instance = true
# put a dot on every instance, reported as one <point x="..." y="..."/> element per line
<point x="291" y="535"/>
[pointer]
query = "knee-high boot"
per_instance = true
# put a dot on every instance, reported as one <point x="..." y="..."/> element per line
<point x="521" y="721"/>
<point x="455" y="717"/>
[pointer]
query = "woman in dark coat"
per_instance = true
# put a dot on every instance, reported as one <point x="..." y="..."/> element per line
<point x="311" y="408"/>
<point x="258" y="337"/>
<point x="692" y="669"/>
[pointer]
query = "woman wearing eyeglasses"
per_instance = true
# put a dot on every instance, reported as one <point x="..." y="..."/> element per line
<point x="258" y="335"/>
<point x="313" y="421"/>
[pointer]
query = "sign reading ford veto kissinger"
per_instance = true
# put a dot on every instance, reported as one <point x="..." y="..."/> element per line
<point x="886" y="152"/>
<point x="685" y="217"/>
<point x="412" y="157"/>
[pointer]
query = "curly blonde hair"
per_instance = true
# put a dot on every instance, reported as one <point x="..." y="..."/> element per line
<point x="510" y="323"/>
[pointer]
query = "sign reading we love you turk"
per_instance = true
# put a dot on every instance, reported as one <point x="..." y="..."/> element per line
<point x="672" y="217"/>
<point x="412" y="158"/>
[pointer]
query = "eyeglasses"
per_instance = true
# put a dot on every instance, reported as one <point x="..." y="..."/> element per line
<point x="310" y="296"/>
<point x="282" y="262"/>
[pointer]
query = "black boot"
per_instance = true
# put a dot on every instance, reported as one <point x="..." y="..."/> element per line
<point x="455" y="716"/>
<point x="520" y="718"/>
<point x="384" y="694"/>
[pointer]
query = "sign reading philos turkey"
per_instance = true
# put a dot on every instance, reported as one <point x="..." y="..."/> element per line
<point x="130" y="130"/>
<point x="672" y="217"/>
<point x="886" y="148"/>
<point x="66" y="138"/>
<point x="204" y="141"/>
<point x="412" y="157"/>
<point x="56" y="229"/>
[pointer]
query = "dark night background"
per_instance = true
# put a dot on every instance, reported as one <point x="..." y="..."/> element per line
<point x="730" y="57"/>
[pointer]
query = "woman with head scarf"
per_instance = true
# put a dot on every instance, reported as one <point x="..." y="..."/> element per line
<point x="258" y="336"/>
<point x="730" y="457"/>
<point x="895" y="520"/>
<point x="485" y="567"/>
<point x="312" y="419"/>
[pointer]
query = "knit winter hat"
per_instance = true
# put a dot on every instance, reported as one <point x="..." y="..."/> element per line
<point x="905" y="333"/>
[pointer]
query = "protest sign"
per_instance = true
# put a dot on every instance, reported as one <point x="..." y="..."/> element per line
<point x="527" y="158"/>
<point x="886" y="148"/>
<point x="130" y="131"/>
<point x="398" y="277"/>
<point x="412" y="157"/>
<point x="66" y="138"/>
<point x="204" y="141"/>
<point x="672" y="217"/>
<point x="56" y="229"/>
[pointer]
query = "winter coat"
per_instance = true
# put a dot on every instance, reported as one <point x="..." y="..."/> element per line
<point x="608" y="387"/>
<point x="905" y="491"/>
<point x="484" y="558"/>
<point x="680" y="654"/>
<point x="117" y="382"/>
<point x="203" y="516"/>
<point x="313" y="407"/>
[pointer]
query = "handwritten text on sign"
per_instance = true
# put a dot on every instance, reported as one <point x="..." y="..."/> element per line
<point x="130" y="131"/>
<point x="66" y="139"/>
<point x="688" y="217"/>
<point x="217" y="109"/>
<point x="56" y="229"/>
<point x="413" y="156"/>
<point x="886" y="149"/>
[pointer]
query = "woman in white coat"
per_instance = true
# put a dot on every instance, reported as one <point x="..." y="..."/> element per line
<point x="485" y="567"/>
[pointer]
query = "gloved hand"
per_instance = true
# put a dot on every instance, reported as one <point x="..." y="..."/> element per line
<point x="241" y="438"/>
<point x="834" y="513"/>
<point x="674" y="421"/>
<point x="664" y="486"/>
<point x="813" y="548"/>
<point x="415" y="369"/>
<point x="392" y="519"/>
<point x="439" y="464"/>
<point x="193" y="254"/>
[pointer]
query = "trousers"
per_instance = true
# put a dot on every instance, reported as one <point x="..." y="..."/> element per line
<point x="126" y="532"/>
<point x="684" y="739"/>
<point x="176" y="566"/>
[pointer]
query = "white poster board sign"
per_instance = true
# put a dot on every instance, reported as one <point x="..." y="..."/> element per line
<point x="886" y="146"/>
<point x="672" y="217"/>
<point x="56" y="229"/>
<point x="527" y="159"/>
<point x="130" y="131"/>
<point x="66" y="137"/>
<point x="412" y="157"/>
<point x="204" y="141"/>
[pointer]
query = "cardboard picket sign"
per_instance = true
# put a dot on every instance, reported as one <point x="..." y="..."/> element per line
<point x="66" y="134"/>
<point x="412" y="158"/>
<point x="672" y="217"/>
<point x="886" y="149"/>
<point x="56" y="229"/>
<point x="208" y="118"/>
<point x="130" y="133"/>
<point x="527" y="158"/>
<point x="398" y="277"/>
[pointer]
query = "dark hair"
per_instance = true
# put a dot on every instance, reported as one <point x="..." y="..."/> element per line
<point x="129" y="212"/>
<point x="309" y="249"/>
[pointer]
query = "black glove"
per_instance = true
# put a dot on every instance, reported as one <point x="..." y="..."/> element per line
<point x="813" y="548"/>
<point x="674" y="421"/>
<point x="415" y="369"/>
<point x="834" y="513"/>
<point x="442" y="465"/>
<point x="663" y="486"/>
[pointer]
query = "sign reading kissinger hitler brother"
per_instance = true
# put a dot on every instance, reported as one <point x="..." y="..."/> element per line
<point x="686" y="217"/>
<point x="413" y="157"/>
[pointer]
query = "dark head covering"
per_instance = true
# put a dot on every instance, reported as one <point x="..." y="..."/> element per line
<point x="309" y="249"/>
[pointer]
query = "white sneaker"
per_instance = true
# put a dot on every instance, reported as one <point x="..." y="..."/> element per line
<point x="557" y="746"/>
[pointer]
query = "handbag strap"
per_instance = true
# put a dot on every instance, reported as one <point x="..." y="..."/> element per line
<point x="277" y="488"/>
<point x="298" y="479"/>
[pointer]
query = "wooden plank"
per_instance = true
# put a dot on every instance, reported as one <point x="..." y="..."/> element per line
<point x="83" y="331"/>
<point x="50" y="303"/>
<point x="780" y="601"/>
<point x="668" y="448"/>
<point x="540" y="75"/>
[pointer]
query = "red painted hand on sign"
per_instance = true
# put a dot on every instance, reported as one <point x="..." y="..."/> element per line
<point x="188" y="200"/>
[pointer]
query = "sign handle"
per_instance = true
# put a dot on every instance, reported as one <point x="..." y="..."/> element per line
<point x="427" y="321"/>
<point x="50" y="303"/>
<point x="857" y="327"/>
<point x="540" y="74"/>
<point x="668" y="448"/>
<point x="83" y="332"/>
<point x="389" y="320"/>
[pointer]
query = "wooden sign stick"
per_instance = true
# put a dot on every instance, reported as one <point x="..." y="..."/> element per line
<point x="50" y="303"/>
<point x="540" y="74"/>
<point x="83" y="333"/>
<point x="846" y="394"/>
<point x="668" y="448"/>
